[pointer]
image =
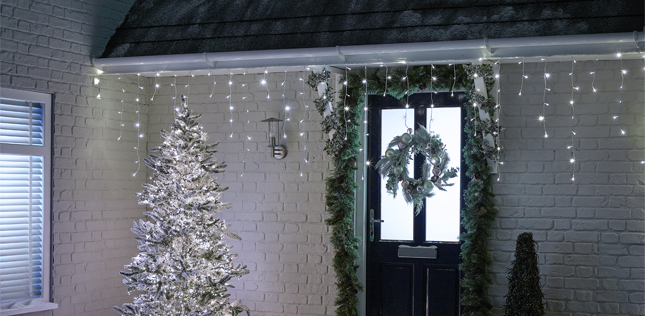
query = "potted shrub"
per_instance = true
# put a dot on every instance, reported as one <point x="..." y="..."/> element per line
<point x="525" y="297"/>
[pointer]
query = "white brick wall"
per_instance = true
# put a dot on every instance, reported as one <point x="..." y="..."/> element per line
<point x="590" y="232"/>
<point x="278" y="207"/>
<point x="46" y="47"/>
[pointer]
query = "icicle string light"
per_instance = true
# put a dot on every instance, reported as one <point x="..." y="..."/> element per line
<point x="454" y="80"/>
<point x="523" y="77"/>
<point x="303" y="132"/>
<point x="230" y="101"/>
<point x="643" y="161"/>
<point x="97" y="83"/>
<point x="263" y="82"/>
<point x="387" y="77"/>
<point x="155" y="88"/>
<point x="432" y="92"/>
<point x="365" y="106"/>
<point x="122" y="109"/>
<point x="174" y="98"/>
<point x="407" y="95"/>
<point x="138" y="126"/>
<point x="542" y="117"/>
<point x="346" y="108"/>
<point x="593" y="78"/>
<point x="623" y="72"/>
<point x="246" y="138"/>
<point x="190" y="77"/>
<point x="572" y="157"/>
<point x="214" y="83"/>
<point x="287" y="108"/>
<point x="498" y="113"/>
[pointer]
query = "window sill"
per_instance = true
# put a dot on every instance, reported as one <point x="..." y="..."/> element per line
<point x="26" y="307"/>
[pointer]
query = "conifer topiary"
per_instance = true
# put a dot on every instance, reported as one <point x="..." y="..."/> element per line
<point x="525" y="295"/>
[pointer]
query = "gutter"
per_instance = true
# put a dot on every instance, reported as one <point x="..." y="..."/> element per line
<point x="556" y="48"/>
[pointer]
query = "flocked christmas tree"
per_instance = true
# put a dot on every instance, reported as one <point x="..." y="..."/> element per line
<point x="184" y="264"/>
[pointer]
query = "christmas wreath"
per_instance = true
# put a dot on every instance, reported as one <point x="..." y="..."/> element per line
<point x="434" y="173"/>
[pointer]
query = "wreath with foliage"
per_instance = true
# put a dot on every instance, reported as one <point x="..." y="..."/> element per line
<point x="434" y="172"/>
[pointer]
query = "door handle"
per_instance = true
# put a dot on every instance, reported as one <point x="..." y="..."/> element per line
<point x="372" y="221"/>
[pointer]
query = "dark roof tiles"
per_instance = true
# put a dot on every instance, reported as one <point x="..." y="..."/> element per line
<point x="160" y="27"/>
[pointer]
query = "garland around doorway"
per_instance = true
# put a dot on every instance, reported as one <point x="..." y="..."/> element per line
<point x="344" y="147"/>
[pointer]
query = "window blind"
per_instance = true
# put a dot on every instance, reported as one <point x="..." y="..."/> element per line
<point x="25" y="155"/>
<point x="21" y="122"/>
<point x="21" y="226"/>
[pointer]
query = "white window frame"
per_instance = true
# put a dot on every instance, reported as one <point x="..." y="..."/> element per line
<point x="44" y="302"/>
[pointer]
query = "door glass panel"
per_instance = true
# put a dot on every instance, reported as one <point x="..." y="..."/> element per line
<point x="442" y="210"/>
<point x="397" y="215"/>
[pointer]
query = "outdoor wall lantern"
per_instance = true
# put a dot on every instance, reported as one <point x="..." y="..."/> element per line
<point x="277" y="151"/>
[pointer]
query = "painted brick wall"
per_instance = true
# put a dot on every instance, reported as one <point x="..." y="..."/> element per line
<point x="590" y="232"/>
<point x="46" y="47"/>
<point x="278" y="207"/>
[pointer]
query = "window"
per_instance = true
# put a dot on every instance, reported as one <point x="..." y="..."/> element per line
<point x="25" y="177"/>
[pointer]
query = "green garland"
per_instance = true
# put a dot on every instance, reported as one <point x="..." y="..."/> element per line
<point x="479" y="211"/>
<point x="343" y="147"/>
<point x="341" y="187"/>
<point x="435" y="173"/>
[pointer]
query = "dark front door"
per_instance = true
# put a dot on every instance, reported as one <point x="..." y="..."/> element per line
<point x="412" y="261"/>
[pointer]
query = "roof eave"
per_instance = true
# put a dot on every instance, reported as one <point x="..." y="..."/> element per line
<point x="600" y="46"/>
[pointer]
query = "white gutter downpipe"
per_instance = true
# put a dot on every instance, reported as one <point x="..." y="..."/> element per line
<point x="504" y="48"/>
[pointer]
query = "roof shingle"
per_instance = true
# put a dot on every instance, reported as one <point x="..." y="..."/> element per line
<point x="165" y="27"/>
